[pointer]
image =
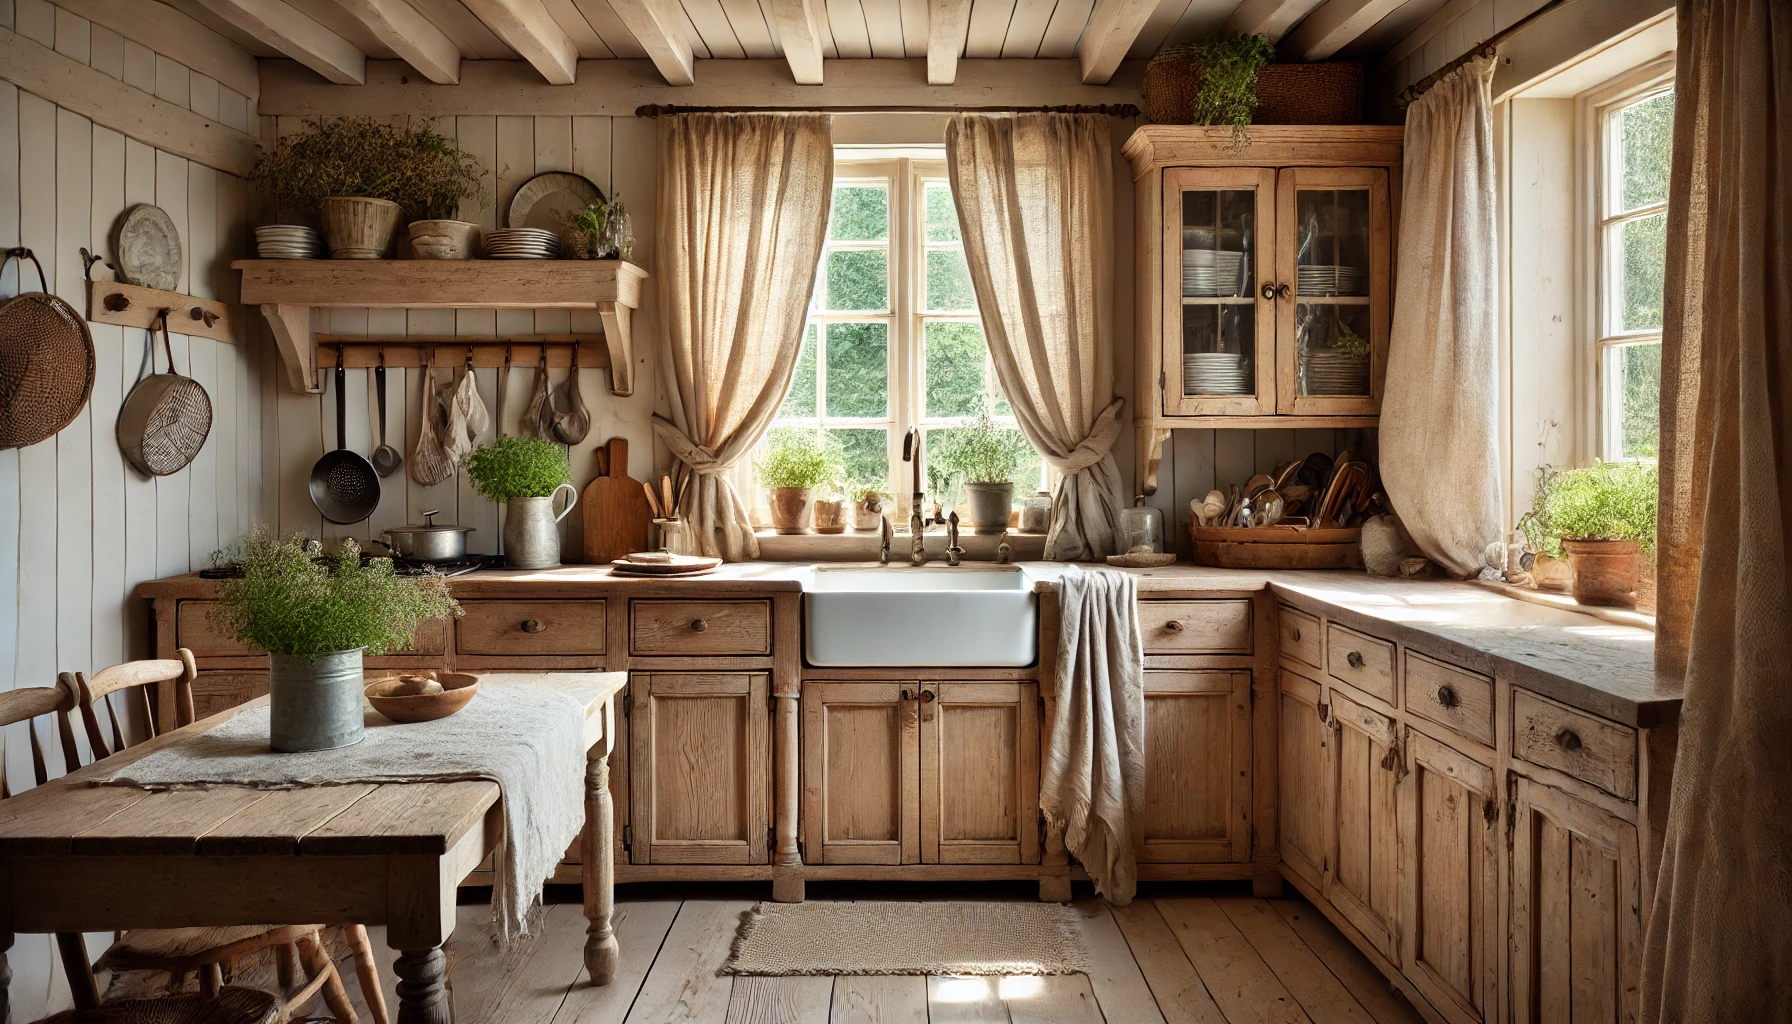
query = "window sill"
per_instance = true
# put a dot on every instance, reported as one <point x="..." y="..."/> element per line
<point x="853" y="546"/>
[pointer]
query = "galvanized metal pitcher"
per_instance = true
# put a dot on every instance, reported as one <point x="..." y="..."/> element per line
<point x="315" y="704"/>
<point x="531" y="530"/>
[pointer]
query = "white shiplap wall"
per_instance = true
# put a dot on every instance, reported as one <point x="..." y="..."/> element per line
<point x="78" y="528"/>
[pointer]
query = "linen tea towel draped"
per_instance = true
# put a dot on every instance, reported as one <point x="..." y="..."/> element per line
<point x="1035" y="208"/>
<point x="1719" y="941"/>
<point x="1440" y="413"/>
<point x="743" y="209"/>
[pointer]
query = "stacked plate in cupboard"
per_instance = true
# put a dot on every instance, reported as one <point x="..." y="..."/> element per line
<point x="1216" y="373"/>
<point x="1211" y="273"/>
<point x="288" y="242"/>
<point x="1332" y="280"/>
<point x="1331" y="372"/>
<point x="521" y="244"/>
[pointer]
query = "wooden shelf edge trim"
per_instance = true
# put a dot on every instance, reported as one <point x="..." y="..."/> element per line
<point x="406" y="352"/>
<point x="127" y="305"/>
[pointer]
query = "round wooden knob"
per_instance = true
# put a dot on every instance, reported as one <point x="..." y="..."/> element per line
<point x="908" y="694"/>
<point x="1446" y="695"/>
<point x="1568" y="739"/>
<point x="534" y="626"/>
<point x="1355" y="659"/>
<point x="1173" y="626"/>
<point x="927" y="696"/>
<point x="699" y="625"/>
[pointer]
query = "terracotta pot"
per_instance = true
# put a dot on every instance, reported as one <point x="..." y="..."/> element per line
<point x="990" y="505"/>
<point x="790" y="509"/>
<point x="830" y="517"/>
<point x="868" y="513"/>
<point x="358" y="228"/>
<point x="443" y="239"/>
<point x="1606" y="572"/>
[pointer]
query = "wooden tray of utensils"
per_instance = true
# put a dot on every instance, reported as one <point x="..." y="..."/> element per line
<point x="1277" y="547"/>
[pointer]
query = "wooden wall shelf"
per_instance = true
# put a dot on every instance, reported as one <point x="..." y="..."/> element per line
<point x="288" y="290"/>
<point x="126" y="305"/>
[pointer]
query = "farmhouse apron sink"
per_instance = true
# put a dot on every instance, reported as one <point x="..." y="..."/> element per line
<point x="983" y="617"/>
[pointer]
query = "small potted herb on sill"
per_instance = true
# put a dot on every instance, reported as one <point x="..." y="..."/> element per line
<point x="316" y="616"/>
<point x="986" y="457"/>
<point x="526" y="474"/>
<point x="1602" y="518"/>
<point x="797" y="460"/>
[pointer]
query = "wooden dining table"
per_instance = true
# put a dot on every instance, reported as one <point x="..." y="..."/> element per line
<point x="75" y="857"/>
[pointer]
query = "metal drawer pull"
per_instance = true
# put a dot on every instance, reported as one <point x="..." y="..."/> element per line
<point x="1173" y="626"/>
<point x="534" y="626"/>
<point x="1568" y="740"/>
<point x="1446" y="695"/>
<point x="1355" y="659"/>
<point x="699" y="625"/>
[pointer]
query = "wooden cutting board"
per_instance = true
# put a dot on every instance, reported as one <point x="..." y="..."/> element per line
<point x="616" y="513"/>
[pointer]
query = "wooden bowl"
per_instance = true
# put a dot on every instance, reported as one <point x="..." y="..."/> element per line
<point x="458" y="689"/>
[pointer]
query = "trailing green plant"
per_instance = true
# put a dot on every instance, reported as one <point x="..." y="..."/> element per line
<point x="984" y="452"/>
<point x="800" y="457"/>
<point x="518" y="467"/>
<point x="1604" y="501"/>
<point x="293" y="599"/>
<point x="416" y="168"/>
<point x="591" y="219"/>
<point x="1228" y="93"/>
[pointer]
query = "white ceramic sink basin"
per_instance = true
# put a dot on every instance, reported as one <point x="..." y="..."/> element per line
<point x="973" y="617"/>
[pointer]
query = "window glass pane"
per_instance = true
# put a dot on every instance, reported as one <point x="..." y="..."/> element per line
<point x="867" y="455"/>
<point x="858" y="279"/>
<point x="1646" y="143"/>
<point x="942" y="215"/>
<point x="1642" y="251"/>
<point x="799" y="401"/>
<point x="861" y="214"/>
<point x="858" y="370"/>
<point x="1635" y="371"/>
<point x="954" y="354"/>
<point x="949" y="282"/>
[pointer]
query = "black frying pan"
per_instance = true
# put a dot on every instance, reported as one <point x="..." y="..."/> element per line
<point x="344" y="485"/>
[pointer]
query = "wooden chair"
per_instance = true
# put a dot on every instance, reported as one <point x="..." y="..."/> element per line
<point x="209" y="951"/>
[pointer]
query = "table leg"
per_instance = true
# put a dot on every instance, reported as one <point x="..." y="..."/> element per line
<point x="422" y="994"/>
<point x="601" y="950"/>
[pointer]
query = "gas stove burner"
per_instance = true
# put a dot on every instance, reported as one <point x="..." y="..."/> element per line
<point x="400" y="567"/>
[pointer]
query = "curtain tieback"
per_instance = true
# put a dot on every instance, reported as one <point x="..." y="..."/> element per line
<point x="700" y="460"/>
<point x="1094" y="447"/>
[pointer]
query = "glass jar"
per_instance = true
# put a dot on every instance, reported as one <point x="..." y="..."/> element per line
<point x="1142" y="528"/>
<point x="1036" y="512"/>
<point x="674" y="536"/>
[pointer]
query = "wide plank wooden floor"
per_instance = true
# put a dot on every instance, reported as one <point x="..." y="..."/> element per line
<point x="1189" y="955"/>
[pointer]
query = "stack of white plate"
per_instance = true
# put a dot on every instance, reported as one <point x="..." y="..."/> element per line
<point x="288" y="242"/>
<point x="1210" y="272"/>
<point x="1332" y="281"/>
<point x="1331" y="372"/>
<point x="522" y="244"/>
<point x="1216" y="373"/>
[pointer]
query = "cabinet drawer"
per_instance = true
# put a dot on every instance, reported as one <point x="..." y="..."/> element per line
<point x="681" y="628"/>
<point x="1362" y="661"/>
<point x="531" y="628"/>
<point x="1591" y="749"/>
<point x="1452" y="697"/>
<point x="1301" y="638"/>
<point x="198" y="628"/>
<point x="1196" y="627"/>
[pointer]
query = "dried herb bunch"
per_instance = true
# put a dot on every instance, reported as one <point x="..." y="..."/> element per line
<point x="1228" y="93"/>
<point x="416" y="168"/>
<point x="518" y="467"/>
<point x="293" y="599"/>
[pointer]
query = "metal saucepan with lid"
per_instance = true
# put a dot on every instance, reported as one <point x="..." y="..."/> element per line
<point x="429" y="542"/>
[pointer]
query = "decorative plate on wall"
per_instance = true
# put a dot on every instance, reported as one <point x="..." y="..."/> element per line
<point x="148" y="248"/>
<point x="548" y="201"/>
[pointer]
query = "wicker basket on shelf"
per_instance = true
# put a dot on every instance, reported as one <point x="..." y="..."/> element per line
<point x="1328" y="92"/>
<point x="1277" y="547"/>
<point x="1171" y="81"/>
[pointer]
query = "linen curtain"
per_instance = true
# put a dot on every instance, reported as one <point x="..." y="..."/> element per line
<point x="1440" y="413"/>
<point x="743" y="209"/>
<point x="1035" y="203"/>
<point x="1719" y="945"/>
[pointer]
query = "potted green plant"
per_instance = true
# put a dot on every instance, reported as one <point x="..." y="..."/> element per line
<point x="316" y="616"/>
<point x="526" y="474"/>
<point x="986" y="457"/>
<point x="796" y="461"/>
<point x="361" y="174"/>
<point x="1602" y="518"/>
<point x="868" y="503"/>
<point x="584" y="231"/>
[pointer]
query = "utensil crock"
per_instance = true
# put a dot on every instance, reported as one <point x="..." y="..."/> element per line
<point x="532" y="532"/>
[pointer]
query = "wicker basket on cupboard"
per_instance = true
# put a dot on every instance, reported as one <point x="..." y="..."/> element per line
<point x="1329" y="92"/>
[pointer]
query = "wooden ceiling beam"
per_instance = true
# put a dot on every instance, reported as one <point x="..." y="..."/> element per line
<point x="1112" y="28"/>
<point x="801" y="40"/>
<point x="1272" y="18"/>
<point x="528" y="28"/>
<point x="947" y="23"/>
<point x="659" y="27"/>
<point x="297" y="35"/>
<point x="1335" y="25"/>
<point x="416" y="40"/>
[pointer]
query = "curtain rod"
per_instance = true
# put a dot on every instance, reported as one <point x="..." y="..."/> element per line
<point x="1110" y="109"/>
<point x="1487" y="48"/>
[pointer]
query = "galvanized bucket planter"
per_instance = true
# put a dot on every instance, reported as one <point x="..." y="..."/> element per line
<point x="315" y="704"/>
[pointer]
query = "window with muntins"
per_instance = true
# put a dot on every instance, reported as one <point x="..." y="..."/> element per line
<point x="1635" y="143"/>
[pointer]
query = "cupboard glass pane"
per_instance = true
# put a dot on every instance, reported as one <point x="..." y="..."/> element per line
<point x="1218" y="310"/>
<point x="1332" y="340"/>
<point x="1332" y="233"/>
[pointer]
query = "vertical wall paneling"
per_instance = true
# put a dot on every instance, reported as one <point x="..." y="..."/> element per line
<point x="392" y="510"/>
<point x="107" y="52"/>
<point x="36" y="20"/>
<point x="74" y="37"/>
<point x="17" y="761"/>
<point x="139" y="66"/>
<point x="37" y="581"/>
<point x="71" y="501"/>
<point x="111" y="347"/>
<point x="141" y="506"/>
<point x="203" y="270"/>
<point x="173" y="492"/>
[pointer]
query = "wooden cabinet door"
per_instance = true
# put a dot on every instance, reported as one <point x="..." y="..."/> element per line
<point x="1577" y="925"/>
<point x="979" y="773"/>
<point x="1334" y="254"/>
<point x="1197" y="767"/>
<point x="1365" y="773"/>
<point x="1449" y="934"/>
<point x="1303" y="788"/>
<point x="701" y="767"/>
<point x="861" y="773"/>
<point x="1217" y="242"/>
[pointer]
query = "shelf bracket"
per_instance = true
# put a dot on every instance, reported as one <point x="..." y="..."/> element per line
<point x="292" y="336"/>
<point x="620" y="341"/>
